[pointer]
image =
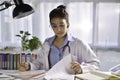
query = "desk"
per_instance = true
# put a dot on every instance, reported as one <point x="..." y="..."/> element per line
<point x="31" y="75"/>
<point x="40" y="74"/>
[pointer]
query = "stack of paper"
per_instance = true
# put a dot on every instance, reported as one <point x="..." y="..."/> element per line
<point x="5" y="77"/>
<point x="21" y="75"/>
<point x="97" y="75"/>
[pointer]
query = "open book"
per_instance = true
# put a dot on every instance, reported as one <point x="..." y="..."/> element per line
<point x="97" y="75"/>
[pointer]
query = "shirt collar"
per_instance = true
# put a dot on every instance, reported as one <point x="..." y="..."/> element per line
<point x="68" y="38"/>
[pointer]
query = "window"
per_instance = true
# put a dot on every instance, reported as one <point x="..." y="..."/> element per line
<point x="9" y="27"/>
<point x="108" y="24"/>
<point x="96" y="22"/>
<point x="81" y="24"/>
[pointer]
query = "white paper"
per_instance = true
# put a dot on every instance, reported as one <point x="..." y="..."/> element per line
<point x="25" y="74"/>
<point x="89" y="76"/>
<point x="97" y="75"/>
<point x="61" y="70"/>
<point x="5" y="77"/>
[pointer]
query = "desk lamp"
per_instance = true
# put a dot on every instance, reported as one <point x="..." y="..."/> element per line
<point x="21" y="9"/>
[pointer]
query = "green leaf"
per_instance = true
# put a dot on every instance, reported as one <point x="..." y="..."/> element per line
<point x="18" y="35"/>
<point x="27" y="33"/>
<point x="29" y="44"/>
<point x="21" y="32"/>
<point x="34" y="43"/>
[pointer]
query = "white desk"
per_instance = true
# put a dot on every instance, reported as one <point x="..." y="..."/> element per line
<point x="39" y="75"/>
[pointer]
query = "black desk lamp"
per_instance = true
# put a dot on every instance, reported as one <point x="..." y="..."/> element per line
<point x="21" y="9"/>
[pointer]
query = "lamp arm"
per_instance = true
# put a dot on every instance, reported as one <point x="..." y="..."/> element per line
<point x="5" y="5"/>
<point x="18" y="2"/>
<point x="3" y="9"/>
<point x="2" y="4"/>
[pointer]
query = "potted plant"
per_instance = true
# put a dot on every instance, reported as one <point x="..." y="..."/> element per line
<point x="29" y="44"/>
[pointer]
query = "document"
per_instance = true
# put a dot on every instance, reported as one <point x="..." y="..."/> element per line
<point x="23" y="75"/>
<point x="97" y="75"/>
<point x="5" y="77"/>
<point x="61" y="70"/>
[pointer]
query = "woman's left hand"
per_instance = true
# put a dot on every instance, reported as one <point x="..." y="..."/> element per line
<point x="76" y="67"/>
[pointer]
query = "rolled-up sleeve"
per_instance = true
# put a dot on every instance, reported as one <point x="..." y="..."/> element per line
<point x="42" y="58"/>
<point x="85" y="55"/>
<point x="90" y="59"/>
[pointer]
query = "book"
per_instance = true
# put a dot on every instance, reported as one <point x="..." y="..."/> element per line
<point x="97" y="75"/>
<point x="1" y="60"/>
<point x="28" y="57"/>
<point x="23" y="59"/>
<point x="8" y="61"/>
<point x="11" y="61"/>
<point x="15" y="61"/>
<point x="4" y="61"/>
<point x="18" y="60"/>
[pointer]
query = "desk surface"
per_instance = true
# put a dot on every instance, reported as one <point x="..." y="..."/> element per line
<point x="39" y="74"/>
<point x="34" y="75"/>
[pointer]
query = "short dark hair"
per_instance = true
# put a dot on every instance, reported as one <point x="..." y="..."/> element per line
<point x="60" y="12"/>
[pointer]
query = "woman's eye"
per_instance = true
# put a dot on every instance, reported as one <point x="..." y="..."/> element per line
<point x="61" y="25"/>
<point x="54" y="26"/>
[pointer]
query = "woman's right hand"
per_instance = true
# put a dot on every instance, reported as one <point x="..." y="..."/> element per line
<point x="24" y="66"/>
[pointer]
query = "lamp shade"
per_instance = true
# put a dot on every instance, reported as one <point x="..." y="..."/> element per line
<point x="22" y="11"/>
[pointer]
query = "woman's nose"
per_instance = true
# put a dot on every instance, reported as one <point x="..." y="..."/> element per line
<point x="59" y="28"/>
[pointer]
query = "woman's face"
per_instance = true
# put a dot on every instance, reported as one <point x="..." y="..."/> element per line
<point x="59" y="26"/>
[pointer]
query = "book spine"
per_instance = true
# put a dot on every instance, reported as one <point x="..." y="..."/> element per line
<point x="0" y="60"/>
<point x="8" y="61"/>
<point x="18" y="60"/>
<point x="15" y="61"/>
<point x="4" y="59"/>
<point x="11" y="61"/>
<point x="28" y="57"/>
<point x="23" y="59"/>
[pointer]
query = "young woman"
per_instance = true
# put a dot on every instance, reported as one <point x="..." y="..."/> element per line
<point x="62" y="44"/>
